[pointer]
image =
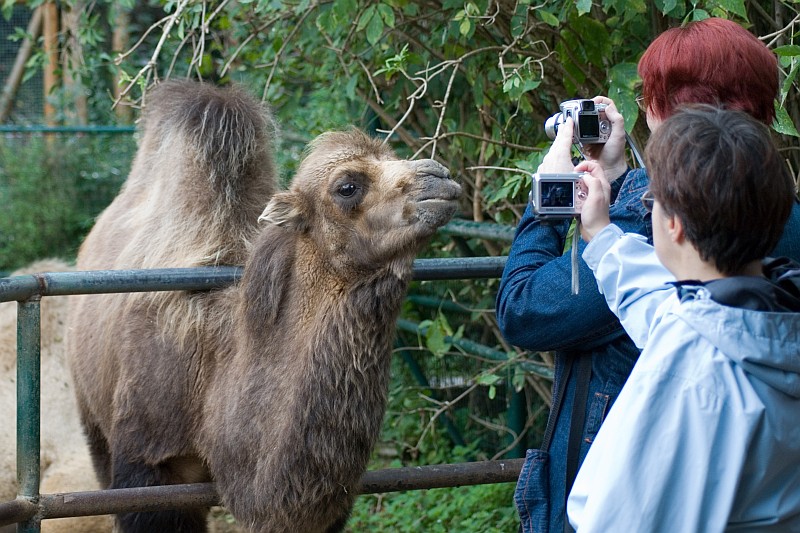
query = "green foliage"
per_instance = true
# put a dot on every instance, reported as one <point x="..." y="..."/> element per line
<point x="479" y="509"/>
<point x="51" y="189"/>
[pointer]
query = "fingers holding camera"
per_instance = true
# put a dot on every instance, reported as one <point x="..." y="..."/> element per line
<point x="559" y="157"/>
<point x="611" y="154"/>
<point x="594" y="208"/>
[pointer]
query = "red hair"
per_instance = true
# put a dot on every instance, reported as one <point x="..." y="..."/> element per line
<point x="712" y="61"/>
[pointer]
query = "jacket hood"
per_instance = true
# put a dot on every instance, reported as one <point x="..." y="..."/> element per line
<point x="765" y="344"/>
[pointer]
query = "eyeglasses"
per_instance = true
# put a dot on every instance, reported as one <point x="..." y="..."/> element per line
<point x="641" y="102"/>
<point x="648" y="201"/>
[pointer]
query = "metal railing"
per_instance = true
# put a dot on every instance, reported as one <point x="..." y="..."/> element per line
<point x="31" y="507"/>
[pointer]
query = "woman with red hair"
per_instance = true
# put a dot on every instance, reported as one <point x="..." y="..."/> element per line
<point x="713" y="61"/>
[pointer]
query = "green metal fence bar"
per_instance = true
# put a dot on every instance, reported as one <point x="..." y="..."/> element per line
<point x="478" y="349"/>
<point x="28" y="404"/>
<point x="21" y="288"/>
<point x="13" y="128"/>
<point x="480" y="230"/>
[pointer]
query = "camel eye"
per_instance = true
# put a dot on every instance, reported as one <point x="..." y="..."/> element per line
<point x="347" y="189"/>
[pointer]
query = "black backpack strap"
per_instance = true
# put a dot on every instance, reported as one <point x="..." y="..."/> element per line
<point x="576" y="424"/>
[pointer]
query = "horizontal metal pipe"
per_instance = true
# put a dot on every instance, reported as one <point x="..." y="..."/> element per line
<point x="145" y="499"/>
<point x="204" y="278"/>
<point x="459" y="268"/>
<point x="440" y="476"/>
<point x="15" y="128"/>
<point x="131" y="500"/>
<point x="17" y="510"/>
<point x="479" y="230"/>
<point x="481" y="350"/>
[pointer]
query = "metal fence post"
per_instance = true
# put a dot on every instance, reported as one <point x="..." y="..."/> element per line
<point x="28" y="405"/>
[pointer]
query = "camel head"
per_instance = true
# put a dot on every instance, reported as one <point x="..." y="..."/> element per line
<point x="360" y="205"/>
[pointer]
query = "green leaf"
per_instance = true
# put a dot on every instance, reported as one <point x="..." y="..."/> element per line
<point x="487" y="379"/>
<point x="548" y="17"/>
<point x="350" y="88"/>
<point x="583" y="6"/>
<point x="624" y="75"/>
<point x="439" y="336"/>
<point x="787" y="83"/>
<point x="366" y="17"/>
<point x="344" y="9"/>
<point x="788" y="50"/>
<point x="734" y="6"/>
<point x="783" y="122"/>
<point x="326" y="21"/>
<point x="669" y="5"/>
<point x="374" y="29"/>
<point x="387" y="14"/>
<point x="465" y="27"/>
<point x="519" y="377"/>
<point x="699" y="14"/>
<point x="519" y="20"/>
<point x="8" y="9"/>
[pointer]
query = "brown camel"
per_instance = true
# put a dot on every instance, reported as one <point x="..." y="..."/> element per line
<point x="274" y="388"/>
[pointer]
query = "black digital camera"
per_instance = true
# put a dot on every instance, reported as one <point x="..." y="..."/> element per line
<point x="591" y="124"/>
<point x="555" y="195"/>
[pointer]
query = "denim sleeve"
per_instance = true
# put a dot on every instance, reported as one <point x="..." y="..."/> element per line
<point x="536" y="309"/>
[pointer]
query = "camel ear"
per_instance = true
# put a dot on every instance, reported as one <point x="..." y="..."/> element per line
<point x="285" y="210"/>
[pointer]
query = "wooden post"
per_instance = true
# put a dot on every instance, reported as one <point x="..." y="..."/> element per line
<point x="119" y="44"/>
<point x="72" y="58"/>
<point x="18" y="70"/>
<point x="50" y="19"/>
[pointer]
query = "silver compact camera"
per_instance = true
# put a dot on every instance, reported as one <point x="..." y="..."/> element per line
<point x="556" y="195"/>
<point x="591" y="124"/>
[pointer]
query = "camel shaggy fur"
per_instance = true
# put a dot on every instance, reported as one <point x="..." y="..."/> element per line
<point x="274" y="388"/>
<point x="65" y="462"/>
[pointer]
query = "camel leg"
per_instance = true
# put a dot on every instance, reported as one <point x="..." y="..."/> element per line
<point x="98" y="449"/>
<point x="338" y="526"/>
<point x="128" y="473"/>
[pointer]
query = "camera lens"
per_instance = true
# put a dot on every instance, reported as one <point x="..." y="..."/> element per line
<point x="551" y="125"/>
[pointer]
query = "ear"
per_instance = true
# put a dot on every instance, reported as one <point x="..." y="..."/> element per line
<point x="285" y="209"/>
<point x="675" y="229"/>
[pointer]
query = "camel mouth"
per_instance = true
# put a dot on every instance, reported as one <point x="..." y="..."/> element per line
<point x="439" y="191"/>
<point x="437" y="201"/>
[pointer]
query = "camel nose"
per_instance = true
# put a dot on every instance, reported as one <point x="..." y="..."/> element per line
<point x="430" y="167"/>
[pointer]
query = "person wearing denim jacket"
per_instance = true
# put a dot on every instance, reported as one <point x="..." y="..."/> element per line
<point x="535" y="307"/>
<point x="536" y="310"/>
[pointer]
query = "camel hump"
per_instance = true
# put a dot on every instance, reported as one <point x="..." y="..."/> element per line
<point x="223" y="134"/>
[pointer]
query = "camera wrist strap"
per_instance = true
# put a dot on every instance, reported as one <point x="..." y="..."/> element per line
<point x="574" y="256"/>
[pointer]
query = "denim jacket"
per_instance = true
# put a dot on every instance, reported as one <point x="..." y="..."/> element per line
<point x="537" y="311"/>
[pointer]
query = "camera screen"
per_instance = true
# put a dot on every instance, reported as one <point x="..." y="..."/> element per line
<point x="589" y="126"/>
<point x="557" y="193"/>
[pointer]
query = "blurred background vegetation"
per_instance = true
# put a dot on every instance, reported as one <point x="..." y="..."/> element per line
<point x="469" y="83"/>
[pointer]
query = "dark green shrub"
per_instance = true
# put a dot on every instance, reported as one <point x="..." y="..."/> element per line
<point x="51" y="190"/>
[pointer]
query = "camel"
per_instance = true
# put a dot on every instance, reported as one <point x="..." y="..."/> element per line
<point x="65" y="462"/>
<point x="274" y="388"/>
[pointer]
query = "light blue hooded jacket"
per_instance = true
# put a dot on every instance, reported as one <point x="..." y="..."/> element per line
<point x="705" y="435"/>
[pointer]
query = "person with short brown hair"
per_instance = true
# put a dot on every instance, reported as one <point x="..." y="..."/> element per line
<point x="703" y="436"/>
